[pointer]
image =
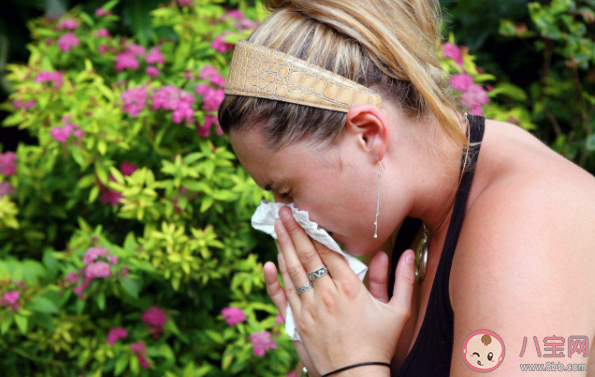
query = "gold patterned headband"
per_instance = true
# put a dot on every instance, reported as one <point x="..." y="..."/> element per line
<point x="258" y="71"/>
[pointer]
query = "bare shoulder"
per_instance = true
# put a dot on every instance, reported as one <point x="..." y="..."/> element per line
<point x="525" y="259"/>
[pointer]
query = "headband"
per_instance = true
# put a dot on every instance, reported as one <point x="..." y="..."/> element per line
<point x="258" y="71"/>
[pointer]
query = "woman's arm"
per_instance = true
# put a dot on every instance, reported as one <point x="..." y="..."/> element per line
<point x="523" y="269"/>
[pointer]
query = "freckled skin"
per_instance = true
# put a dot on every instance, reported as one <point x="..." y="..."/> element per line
<point x="475" y="346"/>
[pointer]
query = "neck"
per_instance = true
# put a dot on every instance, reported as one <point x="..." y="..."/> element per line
<point x="437" y="184"/>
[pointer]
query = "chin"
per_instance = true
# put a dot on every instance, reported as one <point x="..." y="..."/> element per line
<point x="345" y="246"/>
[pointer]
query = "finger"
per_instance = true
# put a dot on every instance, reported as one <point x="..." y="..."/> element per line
<point x="295" y="269"/>
<point x="378" y="274"/>
<point x="305" y="250"/>
<point x="290" y="293"/>
<point x="338" y="267"/>
<point x="404" y="282"/>
<point x="274" y="288"/>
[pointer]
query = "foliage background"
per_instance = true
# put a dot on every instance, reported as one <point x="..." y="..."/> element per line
<point x="124" y="216"/>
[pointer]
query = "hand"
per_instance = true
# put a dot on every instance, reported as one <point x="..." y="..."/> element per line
<point x="339" y="320"/>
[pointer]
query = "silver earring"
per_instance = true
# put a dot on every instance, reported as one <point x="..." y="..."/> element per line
<point x="378" y="198"/>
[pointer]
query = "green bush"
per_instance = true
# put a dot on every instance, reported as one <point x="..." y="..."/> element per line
<point x="125" y="238"/>
<point x="131" y="216"/>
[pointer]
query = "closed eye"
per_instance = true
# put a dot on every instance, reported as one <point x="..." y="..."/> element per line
<point x="475" y="353"/>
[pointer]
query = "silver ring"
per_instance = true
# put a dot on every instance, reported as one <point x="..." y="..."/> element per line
<point x="303" y="288"/>
<point x="318" y="273"/>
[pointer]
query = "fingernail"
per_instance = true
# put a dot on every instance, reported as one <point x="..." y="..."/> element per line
<point x="284" y="215"/>
<point x="410" y="259"/>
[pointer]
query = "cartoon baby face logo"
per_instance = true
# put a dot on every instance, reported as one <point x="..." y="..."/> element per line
<point x="483" y="351"/>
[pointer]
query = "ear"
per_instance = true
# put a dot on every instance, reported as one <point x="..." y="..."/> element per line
<point x="370" y="128"/>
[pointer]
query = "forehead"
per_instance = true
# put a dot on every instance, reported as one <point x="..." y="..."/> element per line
<point x="263" y="165"/>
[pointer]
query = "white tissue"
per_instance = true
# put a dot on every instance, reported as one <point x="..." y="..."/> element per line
<point x="264" y="219"/>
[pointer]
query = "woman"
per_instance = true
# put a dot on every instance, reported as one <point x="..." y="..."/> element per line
<point x="341" y="108"/>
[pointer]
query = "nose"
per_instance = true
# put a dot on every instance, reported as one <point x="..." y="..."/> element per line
<point x="280" y="199"/>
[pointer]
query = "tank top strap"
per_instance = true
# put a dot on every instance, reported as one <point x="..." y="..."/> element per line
<point x="477" y="129"/>
<point x="411" y="226"/>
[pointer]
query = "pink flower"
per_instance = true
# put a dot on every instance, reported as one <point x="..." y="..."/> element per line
<point x="173" y="98"/>
<point x="54" y="77"/>
<point x="134" y="49"/>
<point x="78" y="290"/>
<point x="102" y="49"/>
<point x="6" y="189"/>
<point x="8" y="163"/>
<point x="291" y="374"/>
<point x="235" y="13"/>
<point x="140" y="351"/>
<point x="473" y="98"/>
<point x="219" y="45"/>
<point x="184" y="3"/>
<point x="461" y="81"/>
<point x="204" y="130"/>
<point x="279" y="318"/>
<point x="155" y="56"/>
<point x="93" y="253"/>
<point x="168" y="97"/>
<point x="61" y="134"/>
<point x="68" y="41"/>
<point x="453" y="52"/>
<point x="233" y="315"/>
<point x="126" y="61"/>
<point x="211" y="97"/>
<point x="154" y="317"/>
<point x="11" y="300"/>
<point x="73" y="277"/>
<point x="261" y="342"/>
<point x="110" y="197"/>
<point x="115" y="334"/>
<point x="152" y="71"/>
<point x="182" y="112"/>
<point x="134" y="100"/>
<point x="102" y="12"/>
<point x="212" y="74"/>
<point x="113" y="259"/>
<point x="23" y="105"/>
<point x="246" y="24"/>
<point x="127" y="168"/>
<point x="69" y="24"/>
<point x="102" y="33"/>
<point x="98" y="270"/>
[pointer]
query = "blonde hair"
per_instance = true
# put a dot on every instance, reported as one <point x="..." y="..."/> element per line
<point x="386" y="45"/>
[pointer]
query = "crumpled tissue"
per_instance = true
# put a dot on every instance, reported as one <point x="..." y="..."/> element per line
<point x="264" y="219"/>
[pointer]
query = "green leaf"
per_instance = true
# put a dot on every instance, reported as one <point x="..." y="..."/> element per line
<point x="215" y="336"/>
<point x="44" y="305"/>
<point x="100" y="299"/>
<point x="131" y="286"/>
<point x="5" y="325"/>
<point x="207" y="202"/>
<point x="590" y="143"/>
<point x="121" y="364"/>
<point x="21" y="322"/>
<point x="93" y="194"/>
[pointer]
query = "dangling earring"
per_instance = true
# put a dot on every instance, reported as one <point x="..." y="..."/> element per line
<point x="378" y="200"/>
<point x="421" y="255"/>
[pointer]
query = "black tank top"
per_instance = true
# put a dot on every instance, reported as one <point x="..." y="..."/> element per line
<point x="432" y="351"/>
